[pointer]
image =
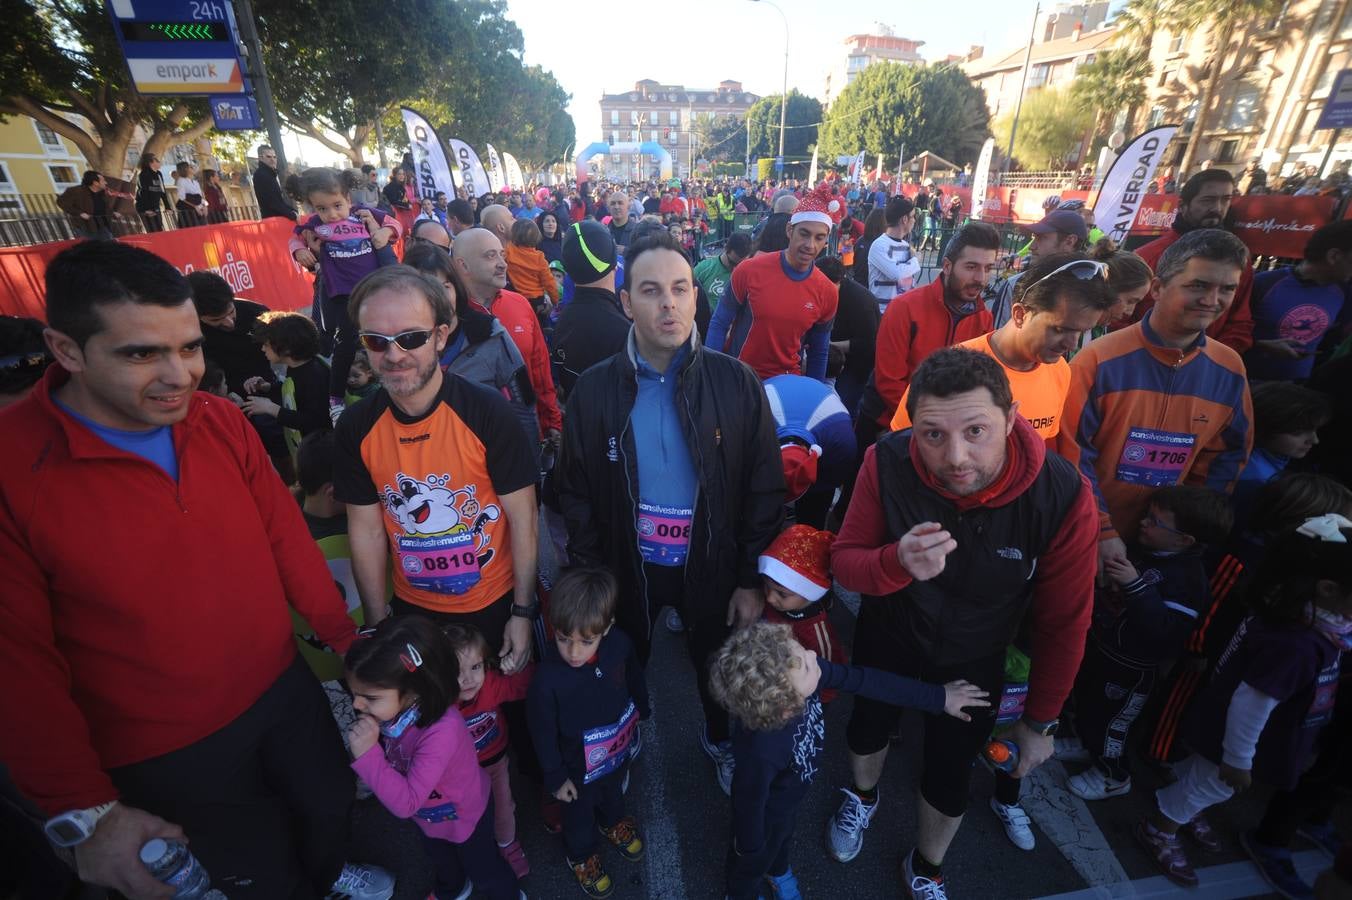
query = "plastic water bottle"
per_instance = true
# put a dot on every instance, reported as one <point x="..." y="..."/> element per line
<point x="172" y="863"/>
<point x="1001" y="755"/>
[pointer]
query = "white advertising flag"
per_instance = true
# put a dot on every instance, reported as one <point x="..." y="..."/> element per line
<point x="470" y="173"/>
<point x="513" y="169"/>
<point x="1128" y="181"/>
<point x="981" y="178"/>
<point x="812" y="171"/>
<point x="495" y="180"/>
<point x="429" y="157"/>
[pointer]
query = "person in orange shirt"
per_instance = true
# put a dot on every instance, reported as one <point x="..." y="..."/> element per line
<point x="527" y="268"/>
<point x="1058" y="298"/>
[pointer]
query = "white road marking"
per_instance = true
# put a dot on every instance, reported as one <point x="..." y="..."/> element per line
<point x="1067" y="821"/>
<point x="1223" y="882"/>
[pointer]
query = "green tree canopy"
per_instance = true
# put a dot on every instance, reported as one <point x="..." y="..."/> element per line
<point x="1051" y="127"/>
<point x="61" y="58"/>
<point x="1114" y="81"/>
<point x="935" y="108"/>
<point x="801" y="116"/>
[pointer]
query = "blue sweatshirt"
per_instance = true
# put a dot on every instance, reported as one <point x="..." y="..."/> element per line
<point x="1287" y="306"/>
<point x="667" y="482"/>
<point x="775" y="768"/>
<point x="811" y="411"/>
<point x="584" y="721"/>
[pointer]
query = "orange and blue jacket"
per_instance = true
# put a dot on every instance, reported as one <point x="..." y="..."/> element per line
<point x="1140" y="415"/>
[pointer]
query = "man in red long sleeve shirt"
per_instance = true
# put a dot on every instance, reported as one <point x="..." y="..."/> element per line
<point x="959" y="528"/>
<point x="150" y="553"/>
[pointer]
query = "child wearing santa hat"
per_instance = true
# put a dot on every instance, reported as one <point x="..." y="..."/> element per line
<point x="796" y="570"/>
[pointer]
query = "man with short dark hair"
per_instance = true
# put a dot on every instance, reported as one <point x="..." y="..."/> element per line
<point x="1060" y="298"/>
<point x="1204" y="202"/>
<point x="227" y="330"/>
<point x="271" y="198"/>
<point x="87" y="207"/>
<point x="670" y="474"/>
<point x="1158" y="403"/>
<point x="104" y="642"/>
<point x="892" y="266"/>
<point x="459" y="216"/>
<point x="962" y="531"/>
<point x="715" y="273"/>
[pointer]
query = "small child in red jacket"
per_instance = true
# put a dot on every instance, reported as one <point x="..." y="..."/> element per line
<point x="483" y="690"/>
<point x="797" y="572"/>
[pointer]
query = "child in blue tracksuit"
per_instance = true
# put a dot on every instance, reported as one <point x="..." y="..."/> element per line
<point x="771" y="686"/>
<point x="584" y="707"/>
<point x="1142" y="621"/>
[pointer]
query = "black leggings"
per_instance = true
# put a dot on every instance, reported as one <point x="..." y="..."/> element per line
<point x="264" y="800"/>
<point x="344" y="333"/>
<point x="747" y="871"/>
<point x="950" y="745"/>
<point x="1110" y="693"/>
<point x="599" y="803"/>
<point x="477" y="859"/>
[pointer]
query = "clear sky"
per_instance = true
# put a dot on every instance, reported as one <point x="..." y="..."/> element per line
<point x="605" y="48"/>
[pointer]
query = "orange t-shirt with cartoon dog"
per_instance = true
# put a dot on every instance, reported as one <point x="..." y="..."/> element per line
<point x="439" y="478"/>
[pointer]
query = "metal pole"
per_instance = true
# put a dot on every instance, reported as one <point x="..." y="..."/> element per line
<point x="1023" y="81"/>
<point x="1328" y="154"/>
<point x="248" y="33"/>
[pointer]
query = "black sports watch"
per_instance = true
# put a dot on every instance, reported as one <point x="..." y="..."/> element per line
<point x="1046" y="729"/>
<point x="525" y="612"/>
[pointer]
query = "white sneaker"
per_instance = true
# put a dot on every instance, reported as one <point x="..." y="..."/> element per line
<point x="845" y="830"/>
<point x="1071" y="749"/>
<point x="1017" y="824"/>
<point x="919" y="887"/>
<point x="358" y="882"/>
<point x="724" y="763"/>
<point x="1092" y="784"/>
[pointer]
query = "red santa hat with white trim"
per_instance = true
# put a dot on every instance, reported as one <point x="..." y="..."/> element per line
<point x="800" y="560"/>
<point x="816" y="207"/>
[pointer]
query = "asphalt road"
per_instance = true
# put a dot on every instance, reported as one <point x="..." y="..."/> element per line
<point x="686" y="821"/>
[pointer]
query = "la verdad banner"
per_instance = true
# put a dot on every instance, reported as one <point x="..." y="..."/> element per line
<point x="1128" y="180"/>
<point x="429" y="157"/>
<point x="495" y="180"/>
<point x="470" y="171"/>
<point x="857" y="167"/>
<point x="981" y="178"/>
<point x="513" y="169"/>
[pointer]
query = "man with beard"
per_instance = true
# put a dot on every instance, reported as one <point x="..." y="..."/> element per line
<point x="962" y="530"/>
<point x="1204" y="202"/>
<point x="1157" y="403"/>
<point x="435" y="469"/>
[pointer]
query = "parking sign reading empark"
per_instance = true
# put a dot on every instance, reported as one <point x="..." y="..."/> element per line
<point x="180" y="47"/>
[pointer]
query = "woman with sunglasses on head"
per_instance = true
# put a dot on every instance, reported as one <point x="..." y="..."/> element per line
<point x="479" y="347"/>
<point x="1128" y="279"/>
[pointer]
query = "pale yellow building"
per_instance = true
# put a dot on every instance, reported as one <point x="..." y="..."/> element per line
<point x="35" y="160"/>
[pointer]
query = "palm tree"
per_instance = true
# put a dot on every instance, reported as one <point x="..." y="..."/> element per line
<point x="1226" y="18"/>
<point x="1115" y="80"/>
<point x="1140" y="19"/>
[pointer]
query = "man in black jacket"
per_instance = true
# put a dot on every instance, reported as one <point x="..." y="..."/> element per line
<point x="271" y="200"/>
<point x="670" y="474"/>
<point x="592" y="327"/>
<point x="854" y="333"/>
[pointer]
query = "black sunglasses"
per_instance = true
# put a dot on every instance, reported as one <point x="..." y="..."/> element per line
<point x="407" y="340"/>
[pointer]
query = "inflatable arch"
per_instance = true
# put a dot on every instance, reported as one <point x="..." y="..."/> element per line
<point x="647" y="148"/>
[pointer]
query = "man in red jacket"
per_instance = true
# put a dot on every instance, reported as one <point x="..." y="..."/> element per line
<point x="150" y="554"/>
<point x="960" y="529"/>
<point x="1204" y="202"/>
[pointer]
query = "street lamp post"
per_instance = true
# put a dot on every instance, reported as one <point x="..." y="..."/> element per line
<point x="784" y="93"/>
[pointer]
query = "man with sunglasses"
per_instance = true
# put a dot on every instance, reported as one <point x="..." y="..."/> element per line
<point x="1158" y="403"/>
<point x="1204" y="202"/>
<point x="436" y="471"/>
<point x="1058" y="299"/>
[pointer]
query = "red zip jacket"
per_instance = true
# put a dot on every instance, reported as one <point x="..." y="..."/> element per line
<point x="916" y="324"/>
<point x="516" y="315"/>
<point x="864" y="559"/>
<point x="141" y="615"/>
<point x="1234" y="327"/>
<point x="483" y="714"/>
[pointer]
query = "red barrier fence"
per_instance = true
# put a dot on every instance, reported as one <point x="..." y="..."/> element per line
<point x="1269" y="224"/>
<point x="250" y="256"/>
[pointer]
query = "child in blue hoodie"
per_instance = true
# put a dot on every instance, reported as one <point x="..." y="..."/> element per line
<point x="771" y="685"/>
